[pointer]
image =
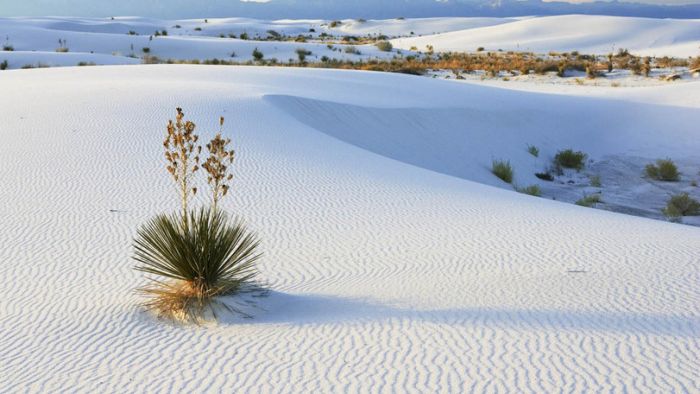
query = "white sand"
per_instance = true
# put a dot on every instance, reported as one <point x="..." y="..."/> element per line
<point x="585" y="33"/>
<point x="386" y="276"/>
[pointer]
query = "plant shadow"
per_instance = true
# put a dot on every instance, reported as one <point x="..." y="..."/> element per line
<point x="312" y="309"/>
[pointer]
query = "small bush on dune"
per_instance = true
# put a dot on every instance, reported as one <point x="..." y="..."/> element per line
<point x="589" y="200"/>
<point x="4" y="65"/>
<point x="595" y="181"/>
<point x="384" y="46"/>
<point x="503" y="170"/>
<point x="570" y="159"/>
<point x="533" y="190"/>
<point x="533" y="150"/>
<point x="663" y="170"/>
<point x="682" y="205"/>
<point x="257" y="55"/>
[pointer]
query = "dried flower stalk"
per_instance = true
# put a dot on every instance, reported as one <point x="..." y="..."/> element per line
<point x="182" y="154"/>
<point x="217" y="165"/>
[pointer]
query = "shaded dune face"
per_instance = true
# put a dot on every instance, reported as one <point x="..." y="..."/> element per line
<point x="386" y="273"/>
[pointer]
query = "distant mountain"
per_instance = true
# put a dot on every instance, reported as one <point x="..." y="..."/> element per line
<point x="337" y="9"/>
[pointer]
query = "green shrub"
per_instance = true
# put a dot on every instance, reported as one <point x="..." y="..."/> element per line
<point x="352" y="50"/>
<point x="595" y="181"/>
<point x="146" y="50"/>
<point x="83" y="64"/>
<point x="533" y="190"/>
<point x="589" y="200"/>
<point x="4" y="65"/>
<point x="545" y="176"/>
<point x="204" y="257"/>
<point x="503" y="170"/>
<point x="257" y="55"/>
<point x="384" y="46"/>
<point x="682" y="205"/>
<point x="302" y="54"/>
<point x="570" y="159"/>
<point x="533" y="150"/>
<point x="663" y="170"/>
<point x="8" y="48"/>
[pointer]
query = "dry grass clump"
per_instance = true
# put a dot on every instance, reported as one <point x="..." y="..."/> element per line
<point x="195" y="256"/>
<point x="681" y="205"/>
<point x="663" y="170"/>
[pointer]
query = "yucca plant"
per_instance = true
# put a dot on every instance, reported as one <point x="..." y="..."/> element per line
<point x="204" y="257"/>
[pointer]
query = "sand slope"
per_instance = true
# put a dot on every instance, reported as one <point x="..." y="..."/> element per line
<point x="386" y="276"/>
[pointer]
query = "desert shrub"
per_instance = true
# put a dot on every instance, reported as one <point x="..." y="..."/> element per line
<point x="197" y="29"/>
<point x="503" y="170"/>
<point x="302" y="54"/>
<point x="203" y="257"/>
<point x="682" y="205"/>
<point x="533" y="190"/>
<point x="569" y="159"/>
<point x="83" y="64"/>
<point x="146" y="50"/>
<point x="533" y="150"/>
<point x="273" y="34"/>
<point x="384" y="46"/>
<point x="589" y="200"/>
<point x="244" y="36"/>
<point x="545" y="176"/>
<point x="480" y="49"/>
<point x="663" y="170"/>
<point x="257" y="55"/>
<point x="352" y="50"/>
<point x="595" y="181"/>
<point x="4" y="65"/>
<point x="132" y="33"/>
<point x="335" y="24"/>
<point x="695" y="63"/>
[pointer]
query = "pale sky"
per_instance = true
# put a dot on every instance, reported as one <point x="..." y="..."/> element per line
<point x="214" y="8"/>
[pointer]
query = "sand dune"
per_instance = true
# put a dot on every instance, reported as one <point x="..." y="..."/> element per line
<point x="584" y="33"/>
<point x="387" y="272"/>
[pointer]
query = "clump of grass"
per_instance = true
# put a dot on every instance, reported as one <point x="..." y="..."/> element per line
<point x="663" y="170"/>
<point x="202" y="257"/>
<point x="503" y="170"/>
<point x="568" y="158"/>
<point x="384" y="46"/>
<point x="682" y="205"/>
<point x="533" y="190"/>
<point x="595" y="181"/>
<point x="533" y="150"/>
<point x="589" y="200"/>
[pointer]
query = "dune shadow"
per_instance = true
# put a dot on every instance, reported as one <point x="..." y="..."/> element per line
<point x="294" y="309"/>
